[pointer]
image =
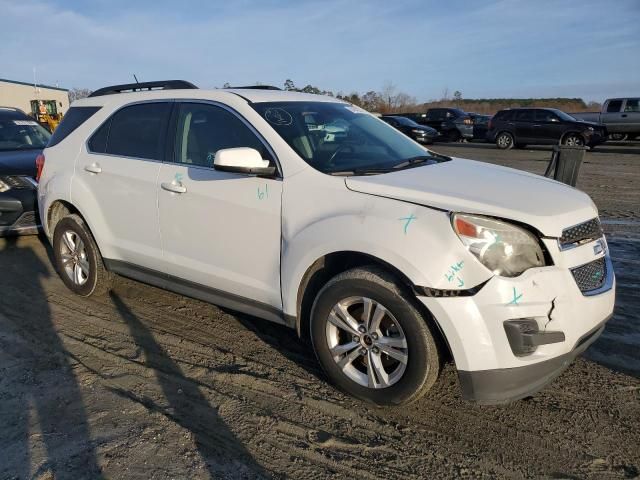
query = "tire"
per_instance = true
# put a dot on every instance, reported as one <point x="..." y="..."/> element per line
<point x="618" y="137"/>
<point x="453" y="136"/>
<point x="399" y="378"/>
<point x="504" y="141"/>
<point x="77" y="258"/>
<point x="573" y="140"/>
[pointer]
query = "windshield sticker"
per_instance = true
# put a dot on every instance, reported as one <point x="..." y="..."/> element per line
<point x="25" y="122"/>
<point x="516" y="297"/>
<point x="453" y="273"/>
<point x="354" y="109"/>
<point x="278" y="116"/>
<point x="407" y="221"/>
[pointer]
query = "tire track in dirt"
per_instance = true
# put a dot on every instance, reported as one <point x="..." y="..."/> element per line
<point x="265" y="386"/>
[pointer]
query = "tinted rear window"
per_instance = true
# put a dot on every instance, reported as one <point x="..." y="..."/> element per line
<point x="139" y="131"/>
<point x="75" y="117"/>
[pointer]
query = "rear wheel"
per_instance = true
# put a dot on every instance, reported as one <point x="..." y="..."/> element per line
<point x="504" y="141"/>
<point x="78" y="259"/>
<point x="618" y="137"/>
<point x="371" y="340"/>
<point x="454" y="135"/>
<point x="573" y="140"/>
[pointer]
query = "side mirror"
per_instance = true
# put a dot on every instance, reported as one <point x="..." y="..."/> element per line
<point x="242" y="160"/>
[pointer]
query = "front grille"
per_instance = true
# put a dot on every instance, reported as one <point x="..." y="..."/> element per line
<point x="581" y="233"/>
<point x="590" y="276"/>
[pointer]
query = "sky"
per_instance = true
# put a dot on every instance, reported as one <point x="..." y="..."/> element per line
<point x="484" y="49"/>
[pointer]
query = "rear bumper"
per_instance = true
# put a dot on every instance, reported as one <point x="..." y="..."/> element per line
<point x="505" y="385"/>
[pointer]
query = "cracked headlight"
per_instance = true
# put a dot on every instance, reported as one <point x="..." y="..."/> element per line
<point x="505" y="249"/>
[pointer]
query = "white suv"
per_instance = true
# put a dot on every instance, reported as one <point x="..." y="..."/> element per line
<point x="310" y="212"/>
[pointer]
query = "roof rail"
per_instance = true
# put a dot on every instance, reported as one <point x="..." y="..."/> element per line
<point x="257" y="87"/>
<point x="148" y="86"/>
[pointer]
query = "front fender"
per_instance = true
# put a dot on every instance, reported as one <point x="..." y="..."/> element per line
<point x="416" y="240"/>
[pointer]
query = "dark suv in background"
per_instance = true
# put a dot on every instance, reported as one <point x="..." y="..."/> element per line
<point x="452" y="123"/>
<point x="518" y="127"/>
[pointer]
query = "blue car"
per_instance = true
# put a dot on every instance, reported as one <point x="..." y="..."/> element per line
<point x="22" y="139"/>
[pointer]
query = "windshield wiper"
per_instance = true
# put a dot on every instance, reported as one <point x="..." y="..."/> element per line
<point x="415" y="161"/>
<point x="359" y="171"/>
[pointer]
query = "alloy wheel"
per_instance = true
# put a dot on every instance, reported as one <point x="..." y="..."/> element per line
<point x="504" y="140"/>
<point x="367" y="342"/>
<point x="574" y="141"/>
<point x="74" y="257"/>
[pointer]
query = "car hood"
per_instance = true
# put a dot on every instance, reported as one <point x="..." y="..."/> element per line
<point x="474" y="187"/>
<point x="19" y="162"/>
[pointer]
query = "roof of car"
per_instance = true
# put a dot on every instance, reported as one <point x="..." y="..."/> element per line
<point x="10" y="112"/>
<point x="250" y="95"/>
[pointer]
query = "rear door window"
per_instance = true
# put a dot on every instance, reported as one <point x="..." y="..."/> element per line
<point x="524" y="116"/>
<point x="138" y="131"/>
<point x="614" y="106"/>
<point x="75" y="117"/>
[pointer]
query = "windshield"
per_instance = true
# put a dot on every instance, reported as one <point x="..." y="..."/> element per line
<point x="20" y="134"/>
<point x="342" y="139"/>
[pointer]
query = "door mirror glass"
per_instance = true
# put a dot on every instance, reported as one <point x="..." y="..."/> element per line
<point x="242" y="160"/>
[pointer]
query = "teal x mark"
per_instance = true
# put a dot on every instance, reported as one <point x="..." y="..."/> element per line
<point x="516" y="297"/>
<point x="408" y="220"/>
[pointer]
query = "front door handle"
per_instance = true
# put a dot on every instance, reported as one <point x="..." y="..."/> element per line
<point x="93" y="168"/>
<point x="537" y="125"/>
<point x="624" y="115"/>
<point x="174" y="187"/>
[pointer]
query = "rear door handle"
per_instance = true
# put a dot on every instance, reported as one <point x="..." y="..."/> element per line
<point x="93" y="168"/>
<point x="537" y="125"/>
<point x="174" y="187"/>
<point x="624" y="115"/>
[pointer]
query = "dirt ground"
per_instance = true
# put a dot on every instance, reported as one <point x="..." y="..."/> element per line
<point x="143" y="383"/>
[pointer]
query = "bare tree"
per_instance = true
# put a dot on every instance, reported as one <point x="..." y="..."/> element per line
<point x="78" y="93"/>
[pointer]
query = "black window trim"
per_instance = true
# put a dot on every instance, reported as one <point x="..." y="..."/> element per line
<point x="173" y="125"/>
<point x="170" y="101"/>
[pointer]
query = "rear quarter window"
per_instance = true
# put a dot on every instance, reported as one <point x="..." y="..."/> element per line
<point x="75" y="117"/>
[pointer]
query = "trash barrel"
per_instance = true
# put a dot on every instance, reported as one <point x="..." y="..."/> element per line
<point x="565" y="164"/>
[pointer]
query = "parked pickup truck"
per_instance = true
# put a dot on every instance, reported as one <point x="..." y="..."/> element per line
<point x="620" y="115"/>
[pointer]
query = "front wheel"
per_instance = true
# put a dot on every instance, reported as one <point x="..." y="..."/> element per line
<point x="504" y="141"/>
<point x="371" y="340"/>
<point x="573" y="140"/>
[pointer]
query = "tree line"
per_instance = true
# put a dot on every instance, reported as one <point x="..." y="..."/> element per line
<point x="391" y="100"/>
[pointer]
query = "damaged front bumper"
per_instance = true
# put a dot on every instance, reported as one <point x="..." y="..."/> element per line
<point x="515" y="335"/>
